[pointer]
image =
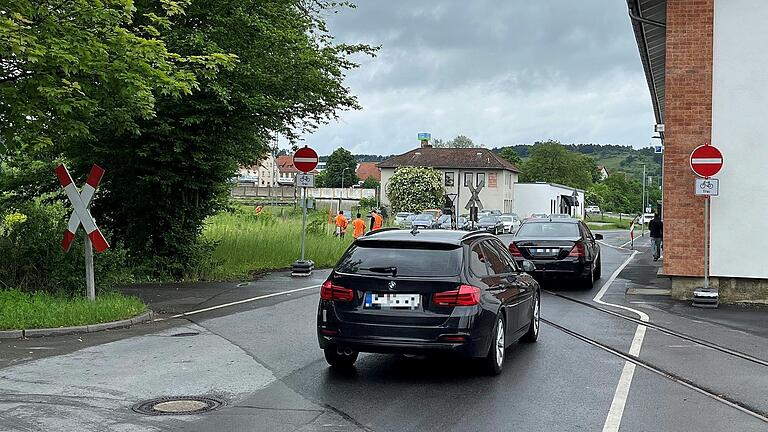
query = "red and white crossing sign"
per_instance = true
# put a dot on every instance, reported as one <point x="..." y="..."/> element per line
<point x="706" y="160"/>
<point x="80" y="201"/>
<point x="305" y="159"/>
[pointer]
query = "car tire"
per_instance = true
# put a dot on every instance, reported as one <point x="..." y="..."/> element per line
<point x="588" y="282"/>
<point x="598" y="269"/>
<point x="494" y="362"/>
<point x="336" y="357"/>
<point x="532" y="335"/>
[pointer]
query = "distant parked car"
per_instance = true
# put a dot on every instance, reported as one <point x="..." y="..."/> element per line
<point x="492" y="224"/>
<point x="423" y="221"/>
<point x="434" y="212"/>
<point x="443" y="222"/>
<point x="400" y="217"/>
<point x="559" y="216"/>
<point x="538" y="216"/>
<point x="511" y="222"/>
<point x="408" y="221"/>
<point x="494" y="212"/>
<point x="593" y="209"/>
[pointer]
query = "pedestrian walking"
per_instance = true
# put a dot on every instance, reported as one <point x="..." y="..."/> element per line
<point x="358" y="226"/>
<point x="341" y="224"/>
<point x="376" y="220"/>
<point x="656" y="228"/>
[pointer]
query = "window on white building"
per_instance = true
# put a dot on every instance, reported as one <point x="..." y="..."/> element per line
<point x="449" y="179"/>
<point x="480" y="179"/>
<point x="468" y="179"/>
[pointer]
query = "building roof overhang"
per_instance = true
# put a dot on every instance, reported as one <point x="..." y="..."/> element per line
<point x="649" y="24"/>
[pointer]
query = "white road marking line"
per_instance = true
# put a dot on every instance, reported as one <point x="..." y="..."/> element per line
<point x="234" y="303"/>
<point x="621" y="248"/>
<point x="613" y="420"/>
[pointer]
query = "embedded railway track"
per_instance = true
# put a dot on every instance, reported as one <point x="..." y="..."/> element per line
<point x="658" y="370"/>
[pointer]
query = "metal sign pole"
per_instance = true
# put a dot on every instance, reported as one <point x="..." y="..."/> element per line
<point x="706" y="242"/>
<point x="90" y="283"/>
<point x="303" y="219"/>
<point x="642" y="213"/>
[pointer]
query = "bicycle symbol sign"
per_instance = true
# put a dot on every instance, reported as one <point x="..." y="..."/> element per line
<point x="707" y="187"/>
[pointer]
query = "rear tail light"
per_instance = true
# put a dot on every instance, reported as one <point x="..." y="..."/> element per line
<point x="466" y="295"/>
<point x="514" y="250"/>
<point x="578" y="250"/>
<point x="453" y="338"/>
<point x="329" y="291"/>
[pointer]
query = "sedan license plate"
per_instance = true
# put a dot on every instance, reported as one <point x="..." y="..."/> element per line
<point x="392" y="301"/>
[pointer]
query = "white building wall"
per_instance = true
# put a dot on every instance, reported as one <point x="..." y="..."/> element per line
<point x="739" y="130"/>
<point x="543" y="198"/>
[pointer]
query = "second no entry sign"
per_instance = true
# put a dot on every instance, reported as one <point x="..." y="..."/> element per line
<point x="706" y="160"/>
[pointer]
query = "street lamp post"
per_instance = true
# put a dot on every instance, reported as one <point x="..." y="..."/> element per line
<point x="342" y="185"/>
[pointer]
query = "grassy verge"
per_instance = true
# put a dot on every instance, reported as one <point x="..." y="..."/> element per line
<point x="20" y="310"/>
<point x="247" y="243"/>
<point x="612" y="222"/>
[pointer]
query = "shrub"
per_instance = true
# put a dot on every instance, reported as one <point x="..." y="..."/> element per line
<point x="31" y="258"/>
<point x="414" y="189"/>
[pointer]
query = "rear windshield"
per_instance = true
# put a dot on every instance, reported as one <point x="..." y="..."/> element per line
<point x="409" y="259"/>
<point x="491" y="219"/>
<point x="549" y="230"/>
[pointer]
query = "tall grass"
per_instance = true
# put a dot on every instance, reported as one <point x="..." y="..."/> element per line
<point x="248" y="243"/>
<point x="614" y="222"/>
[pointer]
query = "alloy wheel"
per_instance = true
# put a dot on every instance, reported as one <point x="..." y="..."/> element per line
<point x="536" y="315"/>
<point x="500" y="343"/>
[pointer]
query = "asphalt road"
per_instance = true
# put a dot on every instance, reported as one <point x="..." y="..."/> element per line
<point x="261" y="357"/>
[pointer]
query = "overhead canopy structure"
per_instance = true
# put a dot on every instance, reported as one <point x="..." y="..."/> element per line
<point x="649" y="23"/>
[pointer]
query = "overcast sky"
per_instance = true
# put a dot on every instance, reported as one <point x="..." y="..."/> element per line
<point x="502" y="72"/>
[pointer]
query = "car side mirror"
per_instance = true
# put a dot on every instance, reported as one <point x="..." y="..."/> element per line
<point x="528" y="266"/>
<point x="598" y="236"/>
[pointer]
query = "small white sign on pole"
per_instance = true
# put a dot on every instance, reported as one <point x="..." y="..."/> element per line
<point x="707" y="187"/>
<point x="305" y="180"/>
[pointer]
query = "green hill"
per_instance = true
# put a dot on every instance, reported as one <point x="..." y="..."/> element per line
<point x="615" y="158"/>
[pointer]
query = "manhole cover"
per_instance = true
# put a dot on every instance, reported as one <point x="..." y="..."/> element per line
<point x="180" y="405"/>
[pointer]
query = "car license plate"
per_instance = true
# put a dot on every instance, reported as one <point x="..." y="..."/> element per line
<point x="392" y="301"/>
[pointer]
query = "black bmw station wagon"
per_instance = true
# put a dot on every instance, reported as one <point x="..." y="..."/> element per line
<point x="396" y="291"/>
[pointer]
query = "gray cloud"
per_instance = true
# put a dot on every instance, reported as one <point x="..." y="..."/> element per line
<point x="500" y="71"/>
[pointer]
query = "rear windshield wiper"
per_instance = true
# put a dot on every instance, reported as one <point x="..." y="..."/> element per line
<point x="391" y="269"/>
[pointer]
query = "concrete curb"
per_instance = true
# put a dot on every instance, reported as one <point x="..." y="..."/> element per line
<point x="17" y="334"/>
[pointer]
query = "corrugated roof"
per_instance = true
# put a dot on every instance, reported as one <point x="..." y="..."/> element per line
<point x="651" y="42"/>
<point x="470" y="158"/>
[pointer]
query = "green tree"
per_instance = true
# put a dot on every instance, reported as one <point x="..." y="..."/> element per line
<point x="341" y="162"/>
<point x="371" y="183"/>
<point x="550" y="162"/>
<point x="461" y="141"/>
<point x="511" y="156"/>
<point x="415" y="189"/>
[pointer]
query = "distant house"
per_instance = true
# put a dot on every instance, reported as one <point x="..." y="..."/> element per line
<point x="287" y="172"/>
<point x="368" y="169"/>
<point x="461" y="168"/>
<point x="548" y="198"/>
<point x="603" y="172"/>
<point x="262" y="174"/>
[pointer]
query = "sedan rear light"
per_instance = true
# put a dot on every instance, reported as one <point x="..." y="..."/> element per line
<point x="329" y="291"/>
<point x="466" y="295"/>
<point x="579" y="250"/>
<point x="514" y="250"/>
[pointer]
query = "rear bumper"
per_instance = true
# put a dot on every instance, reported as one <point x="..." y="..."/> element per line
<point x="561" y="269"/>
<point x="403" y="339"/>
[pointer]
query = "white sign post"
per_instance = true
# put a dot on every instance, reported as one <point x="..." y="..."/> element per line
<point x="707" y="187"/>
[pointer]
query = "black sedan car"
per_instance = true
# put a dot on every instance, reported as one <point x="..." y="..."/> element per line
<point x="559" y="248"/>
<point x="395" y="291"/>
<point x="492" y="223"/>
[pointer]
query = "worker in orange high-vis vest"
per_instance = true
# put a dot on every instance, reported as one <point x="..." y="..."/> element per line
<point x="341" y="224"/>
<point x="376" y="220"/>
<point x="359" y="227"/>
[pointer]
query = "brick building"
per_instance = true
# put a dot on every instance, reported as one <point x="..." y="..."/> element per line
<point x="707" y="74"/>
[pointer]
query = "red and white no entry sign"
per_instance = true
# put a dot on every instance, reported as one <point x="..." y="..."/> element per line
<point x="80" y="201"/>
<point x="706" y="160"/>
<point x="305" y="159"/>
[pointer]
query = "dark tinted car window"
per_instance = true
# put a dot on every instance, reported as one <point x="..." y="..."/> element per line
<point x="505" y="255"/>
<point x="498" y="266"/>
<point x="421" y="259"/>
<point x="587" y="232"/>
<point x="477" y="261"/>
<point x="549" y="230"/>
